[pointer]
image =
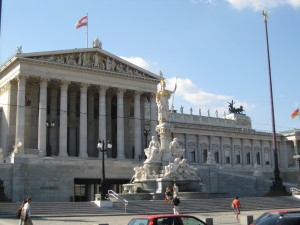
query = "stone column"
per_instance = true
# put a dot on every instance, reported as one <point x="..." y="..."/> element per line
<point x="102" y="115"/>
<point x="83" y="121"/>
<point x="42" y="116"/>
<point x="20" y="116"/>
<point x="137" y="125"/>
<point x="242" y="152"/>
<point x="34" y="117"/>
<point x="72" y="124"/>
<point x="153" y="114"/>
<point x="63" y="123"/>
<point x="91" y="141"/>
<point x="53" y="118"/>
<point x="108" y="122"/>
<point x="253" y="157"/>
<point x="222" y="153"/>
<point x="120" y="124"/>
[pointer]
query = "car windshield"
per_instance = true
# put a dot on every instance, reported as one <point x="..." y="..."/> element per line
<point x="191" y="221"/>
<point x="265" y="216"/>
<point x="139" y="221"/>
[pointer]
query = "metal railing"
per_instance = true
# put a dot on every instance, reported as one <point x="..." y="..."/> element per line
<point x="118" y="197"/>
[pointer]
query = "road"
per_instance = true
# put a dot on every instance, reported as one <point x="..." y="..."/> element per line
<point x="219" y="218"/>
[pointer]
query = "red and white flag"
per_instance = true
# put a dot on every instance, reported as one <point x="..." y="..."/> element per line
<point x="82" y="22"/>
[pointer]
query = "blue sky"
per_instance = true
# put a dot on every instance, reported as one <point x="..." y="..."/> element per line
<point x="217" y="48"/>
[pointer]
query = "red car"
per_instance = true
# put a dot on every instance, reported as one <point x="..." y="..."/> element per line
<point x="166" y="219"/>
<point x="277" y="217"/>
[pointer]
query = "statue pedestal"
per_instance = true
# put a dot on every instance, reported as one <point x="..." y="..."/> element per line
<point x="162" y="184"/>
<point x="164" y="131"/>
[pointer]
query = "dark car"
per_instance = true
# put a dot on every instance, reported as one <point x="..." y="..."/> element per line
<point x="166" y="219"/>
<point x="278" y="217"/>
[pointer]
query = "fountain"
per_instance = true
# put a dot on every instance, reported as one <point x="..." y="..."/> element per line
<point x="165" y="163"/>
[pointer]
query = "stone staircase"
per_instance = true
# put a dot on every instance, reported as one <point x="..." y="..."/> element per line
<point x="74" y="209"/>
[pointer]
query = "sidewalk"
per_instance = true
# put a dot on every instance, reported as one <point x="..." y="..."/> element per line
<point x="219" y="218"/>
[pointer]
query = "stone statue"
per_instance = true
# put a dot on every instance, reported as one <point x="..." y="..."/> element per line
<point x="97" y="43"/>
<point x="162" y="99"/>
<point x="216" y="113"/>
<point x="153" y="151"/>
<point x="138" y="174"/>
<point x="199" y="111"/>
<point x="181" y="109"/>
<point x="17" y="146"/>
<point x="171" y="169"/>
<point x="208" y="113"/>
<point x="191" y="110"/>
<point x="187" y="170"/>
<point x="175" y="148"/>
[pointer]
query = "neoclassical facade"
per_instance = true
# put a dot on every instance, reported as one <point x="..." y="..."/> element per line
<point x="60" y="103"/>
<point x="56" y="105"/>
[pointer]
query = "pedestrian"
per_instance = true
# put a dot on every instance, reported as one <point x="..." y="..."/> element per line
<point x="236" y="205"/>
<point x="168" y="194"/>
<point x="20" y="210"/>
<point x="175" y="190"/>
<point x="176" y="203"/>
<point x="26" y="211"/>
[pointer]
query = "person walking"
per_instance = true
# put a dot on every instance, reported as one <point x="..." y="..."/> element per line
<point x="176" y="203"/>
<point x="26" y="210"/>
<point x="236" y="205"/>
<point x="20" y="210"/>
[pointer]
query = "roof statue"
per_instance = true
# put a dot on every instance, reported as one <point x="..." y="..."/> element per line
<point x="234" y="110"/>
<point x="97" y="43"/>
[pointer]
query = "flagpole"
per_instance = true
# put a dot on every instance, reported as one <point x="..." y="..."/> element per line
<point x="87" y="31"/>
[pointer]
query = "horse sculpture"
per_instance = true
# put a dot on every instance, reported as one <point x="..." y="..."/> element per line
<point x="234" y="110"/>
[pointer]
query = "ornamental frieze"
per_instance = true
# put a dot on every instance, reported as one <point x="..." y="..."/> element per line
<point x="91" y="60"/>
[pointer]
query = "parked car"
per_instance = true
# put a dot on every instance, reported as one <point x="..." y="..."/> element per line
<point x="166" y="219"/>
<point x="278" y="217"/>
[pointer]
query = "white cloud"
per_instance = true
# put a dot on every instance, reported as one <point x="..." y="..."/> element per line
<point x="262" y="4"/>
<point x="189" y="95"/>
<point x="137" y="61"/>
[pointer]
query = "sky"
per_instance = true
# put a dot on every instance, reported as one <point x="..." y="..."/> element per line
<point x="216" y="48"/>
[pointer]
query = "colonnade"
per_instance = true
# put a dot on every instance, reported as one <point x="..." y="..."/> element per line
<point x="66" y="118"/>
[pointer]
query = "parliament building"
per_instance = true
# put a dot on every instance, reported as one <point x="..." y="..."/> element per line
<point x="56" y="105"/>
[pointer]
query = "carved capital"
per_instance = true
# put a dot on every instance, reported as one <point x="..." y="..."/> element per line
<point x="102" y="90"/>
<point x="120" y="92"/>
<point x="64" y="84"/>
<point x="84" y="87"/>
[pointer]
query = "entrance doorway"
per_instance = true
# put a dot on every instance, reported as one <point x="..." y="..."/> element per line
<point x="86" y="188"/>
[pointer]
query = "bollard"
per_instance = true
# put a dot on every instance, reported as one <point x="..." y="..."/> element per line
<point x="246" y="219"/>
<point x="209" y="221"/>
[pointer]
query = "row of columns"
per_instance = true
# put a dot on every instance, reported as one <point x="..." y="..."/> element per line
<point x="233" y="150"/>
<point x="63" y="118"/>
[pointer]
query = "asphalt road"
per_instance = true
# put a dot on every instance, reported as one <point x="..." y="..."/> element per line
<point x="219" y="218"/>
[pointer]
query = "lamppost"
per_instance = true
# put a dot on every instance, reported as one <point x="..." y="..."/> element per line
<point x="146" y="133"/>
<point x="277" y="188"/>
<point x="49" y="125"/>
<point x="102" y="148"/>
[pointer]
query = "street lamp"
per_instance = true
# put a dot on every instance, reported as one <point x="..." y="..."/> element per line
<point x="146" y="133"/>
<point x="277" y="188"/>
<point x="49" y="125"/>
<point x="102" y="148"/>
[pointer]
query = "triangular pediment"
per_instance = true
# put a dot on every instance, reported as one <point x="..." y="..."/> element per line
<point x="93" y="58"/>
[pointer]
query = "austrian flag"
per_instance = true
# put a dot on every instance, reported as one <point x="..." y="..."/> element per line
<point x="82" y="22"/>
